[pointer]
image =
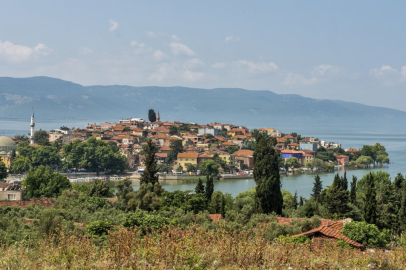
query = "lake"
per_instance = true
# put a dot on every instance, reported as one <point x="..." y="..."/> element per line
<point x="392" y="138"/>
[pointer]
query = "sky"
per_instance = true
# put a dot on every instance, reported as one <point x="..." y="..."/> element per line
<point x="343" y="50"/>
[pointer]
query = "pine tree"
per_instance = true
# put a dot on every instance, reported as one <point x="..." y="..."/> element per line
<point x="200" y="187"/>
<point x="344" y="182"/>
<point x="268" y="195"/>
<point x="353" y="191"/>
<point x="402" y="210"/>
<point x="151" y="115"/>
<point x="301" y="201"/>
<point x="337" y="198"/>
<point x="295" y="203"/>
<point x="209" y="187"/>
<point x="317" y="188"/>
<point x="370" y="200"/>
<point x="150" y="174"/>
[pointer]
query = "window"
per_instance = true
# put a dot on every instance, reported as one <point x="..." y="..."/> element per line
<point x="11" y="197"/>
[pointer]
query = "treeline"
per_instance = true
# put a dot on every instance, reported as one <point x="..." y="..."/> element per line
<point x="90" y="155"/>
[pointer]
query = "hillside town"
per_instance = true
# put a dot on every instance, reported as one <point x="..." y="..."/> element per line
<point x="190" y="148"/>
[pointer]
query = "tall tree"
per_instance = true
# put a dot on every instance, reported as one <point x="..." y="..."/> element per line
<point x="176" y="148"/>
<point x="209" y="187"/>
<point x="173" y="130"/>
<point x="150" y="174"/>
<point x="370" y="200"/>
<point x="402" y="210"/>
<point x="268" y="195"/>
<point x="353" y="190"/>
<point x="317" y="187"/>
<point x="123" y="189"/>
<point x="336" y="198"/>
<point x="200" y="187"/>
<point x="3" y="171"/>
<point x="151" y="115"/>
<point x="295" y="202"/>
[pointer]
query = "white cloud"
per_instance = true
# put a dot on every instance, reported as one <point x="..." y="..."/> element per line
<point x="231" y="38"/>
<point x="322" y="70"/>
<point x="133" y="43"/>
<point x="219" y="65"/>
<point x="192" y="76"/>
<point x="257" y="66"/>
<point x="14" y="53"/>
<point x="152" y="34"/>
<point x="85" y="50"/>
<point x="298" y="79"/>
<point x="159" y="55"/>
<point x="175" y="38"/>
<point x="113" y="25"/>
<point x="179" y="48"/>
<point x="387" y="74"/>
<point x="403" y="71"/>
<point x="193" y="63"/>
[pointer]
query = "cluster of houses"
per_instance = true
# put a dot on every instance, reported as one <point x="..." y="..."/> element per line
<point x="229" y="142"/>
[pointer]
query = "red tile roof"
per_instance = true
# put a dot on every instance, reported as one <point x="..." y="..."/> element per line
<point x="215" y="217"/>
<point x="332" y="230"/>
<point x="244" y="153"/>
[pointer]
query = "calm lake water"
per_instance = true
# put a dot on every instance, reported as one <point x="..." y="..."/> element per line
<point x="393" y="138"/>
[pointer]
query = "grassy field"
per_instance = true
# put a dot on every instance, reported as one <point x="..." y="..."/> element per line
<point x="192" y="249"/>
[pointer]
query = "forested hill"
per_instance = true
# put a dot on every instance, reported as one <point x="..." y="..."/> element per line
<point x="57" y="99"/>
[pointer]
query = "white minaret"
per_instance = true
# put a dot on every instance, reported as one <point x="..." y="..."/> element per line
<point x="32" y="125"/>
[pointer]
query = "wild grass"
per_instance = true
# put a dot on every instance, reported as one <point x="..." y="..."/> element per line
<point x="196" y="248"/>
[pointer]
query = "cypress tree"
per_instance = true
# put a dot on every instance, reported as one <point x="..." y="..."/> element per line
<point x="301" y="201"/>
<point x="344" y="182"/>
<point x="337" y="181"/>
<point x="337" y="198"/>
<point x="151" y="115"/>
<point x="402" y="210"/>
<point x="370" y="200"/>
<point x="268" y="195"/>
<point x="353" y="191"/>
<point x="295" y="203"/>
<point x="317" y="188"/>
<point x="150" y="174"/>
<point x="199" y="187"/>
<point x="209" y="187"/>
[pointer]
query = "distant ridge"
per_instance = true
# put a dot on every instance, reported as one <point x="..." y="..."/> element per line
<point x="58" y="99"/>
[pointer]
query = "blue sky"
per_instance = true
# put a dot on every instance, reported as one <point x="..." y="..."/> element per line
<point x="346" y="50"/>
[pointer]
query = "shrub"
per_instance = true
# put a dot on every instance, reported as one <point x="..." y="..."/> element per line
<point x="98" y="227"/>
<point x="367" y="234"/>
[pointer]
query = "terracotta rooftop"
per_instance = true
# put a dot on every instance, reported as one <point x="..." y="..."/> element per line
<point x="244" y="153"/>
<point x="188" y="155"/>
<point x="333" y="230"/>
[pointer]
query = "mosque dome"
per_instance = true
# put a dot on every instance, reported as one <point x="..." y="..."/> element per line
<point x="7" y="144"/>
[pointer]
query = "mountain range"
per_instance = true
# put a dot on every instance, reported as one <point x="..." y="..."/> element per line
<point x="55" y="99"/>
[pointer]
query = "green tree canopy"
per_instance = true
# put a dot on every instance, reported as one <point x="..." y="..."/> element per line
<point x="3" y="171"/>
<point x="20" y="164"/>
<point x="41" y="137"/>
<point x="208" y="167"/>
<point x="43" y="182"/>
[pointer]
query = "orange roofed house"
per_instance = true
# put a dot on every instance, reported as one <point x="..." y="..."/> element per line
<point x="343" y="160"/>
<point x="187" y="158"/>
